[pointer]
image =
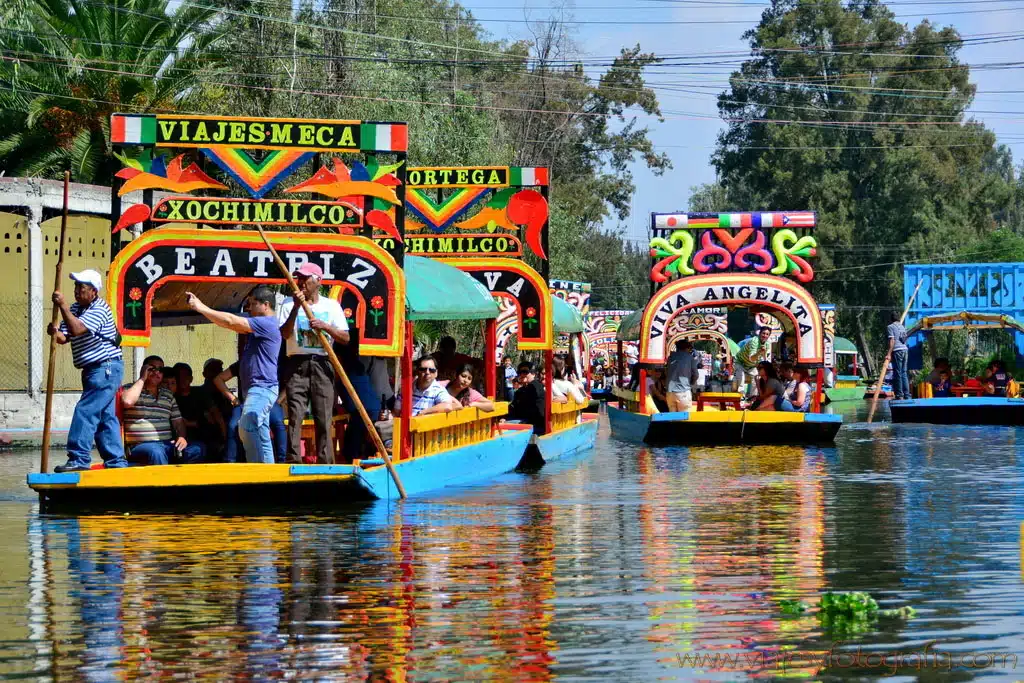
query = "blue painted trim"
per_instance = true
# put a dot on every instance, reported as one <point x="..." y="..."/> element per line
<point x="954" y="402"/>
<point x="458" y="467"/>
<point x="849" y="378"/>
<point x="822" y="417"/>
<point x="40" y="479"/>
<point x="670" y="417"/>
<point x="300" y="470"/>
<point x="568" y="441"/>
<point x="371" y="462"/>
<point x="627" y="425"/>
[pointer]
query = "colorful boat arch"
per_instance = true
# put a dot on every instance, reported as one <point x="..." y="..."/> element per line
<point x="793" y="304"/>
<point x="724" y="343"/>
<point x="517" y="282"/>
<point x="200" y="258"/>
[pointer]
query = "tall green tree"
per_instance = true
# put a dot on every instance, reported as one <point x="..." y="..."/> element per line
<point x="69" y="64"/>
<point x="846" y="111"/>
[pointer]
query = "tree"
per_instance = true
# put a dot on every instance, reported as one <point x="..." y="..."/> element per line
<point x="821" y="118"/>
<point x="77" y="62"/>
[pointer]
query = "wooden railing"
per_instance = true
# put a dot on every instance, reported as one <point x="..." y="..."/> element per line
<point x="446" y="431"/>
<point x="565" y="415"/>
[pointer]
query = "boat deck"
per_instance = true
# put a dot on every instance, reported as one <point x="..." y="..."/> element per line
<point x="968" y="410"/>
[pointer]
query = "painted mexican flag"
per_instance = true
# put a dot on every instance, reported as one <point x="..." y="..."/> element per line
<point x="525" y="176"/>
<point x="384" y="137"/>
<point x="133" y="129"/>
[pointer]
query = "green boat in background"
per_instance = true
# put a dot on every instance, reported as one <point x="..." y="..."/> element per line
<point x="846" y="387"/>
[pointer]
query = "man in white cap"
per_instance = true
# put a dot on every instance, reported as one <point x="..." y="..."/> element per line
<point x="95" y="350"/>
<point x="308" y="376"/>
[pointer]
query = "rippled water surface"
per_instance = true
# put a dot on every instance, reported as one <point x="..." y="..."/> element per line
<point x="625" y="563"/>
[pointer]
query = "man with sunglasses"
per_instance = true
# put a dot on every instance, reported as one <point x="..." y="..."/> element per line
<point x="529" y="404"/>
<point x="427" y="395"/>
<point x="154" y="430"/>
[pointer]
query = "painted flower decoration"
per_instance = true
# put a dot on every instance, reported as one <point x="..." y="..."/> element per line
<point x="376" y="303"/>
<point x="134" y="305"/>
<point x="348" y="313"/>
<point x="531" y="317"/>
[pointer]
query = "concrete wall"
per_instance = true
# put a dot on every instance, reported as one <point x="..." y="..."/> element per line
<point x="39" y="201"/>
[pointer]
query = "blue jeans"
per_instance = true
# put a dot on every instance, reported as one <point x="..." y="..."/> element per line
<point x="900" y="380"/>
<point x="94" y="420"/>
<point x="277" y="429"/>
<point x="355" y="432"/>
<point x="254" y="424"/>
<point x="163" y="453"/>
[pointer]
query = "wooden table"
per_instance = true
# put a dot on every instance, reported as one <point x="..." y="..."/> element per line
<point x="723" y="400"/>
<point x="967" y="391"/>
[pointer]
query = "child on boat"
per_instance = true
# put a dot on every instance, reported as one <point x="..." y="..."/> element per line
<point x="942" y="386"/>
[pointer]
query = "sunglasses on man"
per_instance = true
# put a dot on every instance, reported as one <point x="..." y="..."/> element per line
<point x="430" y="370"/>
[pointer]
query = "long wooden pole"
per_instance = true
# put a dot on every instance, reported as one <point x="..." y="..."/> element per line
<point x="888" y="356"/>
<point x="340" y="371"/>
<point x="44" y="459"/>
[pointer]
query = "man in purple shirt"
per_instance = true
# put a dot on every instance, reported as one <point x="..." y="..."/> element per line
<point x="258" y="364"/>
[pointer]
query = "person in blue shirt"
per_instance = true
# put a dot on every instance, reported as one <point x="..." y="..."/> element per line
<point x="941" y="387"/>
<point x="258" y="364"/>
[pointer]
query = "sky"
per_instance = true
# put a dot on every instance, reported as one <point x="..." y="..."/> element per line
<point x="691" y="123"/>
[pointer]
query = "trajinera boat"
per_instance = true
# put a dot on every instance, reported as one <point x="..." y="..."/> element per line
<point x="371" y="267"/>
<point x="705" y="261"/>
<point x="490" y="246"/>
<point x="967" y="404"/>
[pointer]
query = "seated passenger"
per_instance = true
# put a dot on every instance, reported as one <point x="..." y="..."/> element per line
<point x="562" y="385"/>
<point x="798" y="399"/>
<point x="941" y="387"/>
<point x="428" y="396"/>
<point x="203" y="420"/>
<point x="998" y="380"/>
<point x="941" y="365"/>
<point x="153" y="428"/>
<point x="461" y="390"/>
<point x="770" y="388"/>
<point x="657" y="389"/>
<point x="528" y="404"/>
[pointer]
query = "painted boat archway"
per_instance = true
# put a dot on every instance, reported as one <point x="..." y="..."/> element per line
<point x="790" y="301"/>
<point x="160" y="257"/>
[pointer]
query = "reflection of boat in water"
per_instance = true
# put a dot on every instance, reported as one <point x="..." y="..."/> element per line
<point x="363" y="596"/>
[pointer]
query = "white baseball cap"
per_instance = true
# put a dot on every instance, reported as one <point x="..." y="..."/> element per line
<point x="89" y="277"/>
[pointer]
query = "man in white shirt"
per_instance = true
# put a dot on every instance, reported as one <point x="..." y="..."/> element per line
<point x="308" y="376"/>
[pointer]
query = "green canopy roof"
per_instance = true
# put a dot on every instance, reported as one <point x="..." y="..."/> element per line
<point x="437" y="291"/>
<point x="629" y="328"/>
<point x="567" y="317"/>
<point x="844" y="345"/>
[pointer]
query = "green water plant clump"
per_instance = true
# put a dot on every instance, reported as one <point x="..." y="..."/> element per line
<point x="855" y="612"/>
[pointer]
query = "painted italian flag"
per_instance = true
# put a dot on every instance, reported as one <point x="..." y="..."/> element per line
<point x="133" y="129"/>
<point x="384" y="137"/>
<point x="525" y="176"/>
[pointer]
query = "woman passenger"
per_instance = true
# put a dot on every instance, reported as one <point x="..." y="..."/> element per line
<point x="461" y="389"/>
<point x="799" y="399"/>
<point x="770" y="388"/>
<point x="563" y="385"/>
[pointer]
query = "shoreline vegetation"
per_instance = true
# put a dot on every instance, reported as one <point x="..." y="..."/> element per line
<point x="825" y="113"/>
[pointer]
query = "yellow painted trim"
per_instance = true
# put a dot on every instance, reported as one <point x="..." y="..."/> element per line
<point x="570" y="407"/>
<point x="213" y="474"/>
<point x="626" y="394"/>
<point x="721" y="394"/>
<point x="718" y="416"/>
<point x="430" y="423"/>
<point x="769" y="416"/>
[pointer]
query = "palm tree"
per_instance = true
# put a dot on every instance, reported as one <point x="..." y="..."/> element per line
<point x="66" y="65"/>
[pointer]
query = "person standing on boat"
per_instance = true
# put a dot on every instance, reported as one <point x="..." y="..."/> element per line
<point x="898" y="348"/>
<point x="681" y="367"/>
<point x="529" y="403"/>
<point x="309" y="376"/>
<point x="95" y="350"/>
<point x="510" y="377"/>
<point x="258" y="365"/>
<point x="752" y="351"/>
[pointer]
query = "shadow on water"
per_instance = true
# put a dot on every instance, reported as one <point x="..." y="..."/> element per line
<point x="627" y="563"/>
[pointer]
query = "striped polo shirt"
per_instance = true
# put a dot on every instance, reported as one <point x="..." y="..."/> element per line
<point x="150" y="418"/>
<point x="89" y="348"/>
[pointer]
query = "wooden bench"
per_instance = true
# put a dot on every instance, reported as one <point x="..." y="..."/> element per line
<point x="723" y="399"/>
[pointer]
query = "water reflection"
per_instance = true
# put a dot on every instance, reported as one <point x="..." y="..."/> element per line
<point x="626" y="564"/>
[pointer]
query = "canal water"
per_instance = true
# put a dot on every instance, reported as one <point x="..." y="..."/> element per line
<point x="626" y="563"/>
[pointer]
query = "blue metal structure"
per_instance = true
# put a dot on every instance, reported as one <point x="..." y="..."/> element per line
<point x="954" y="287"/>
